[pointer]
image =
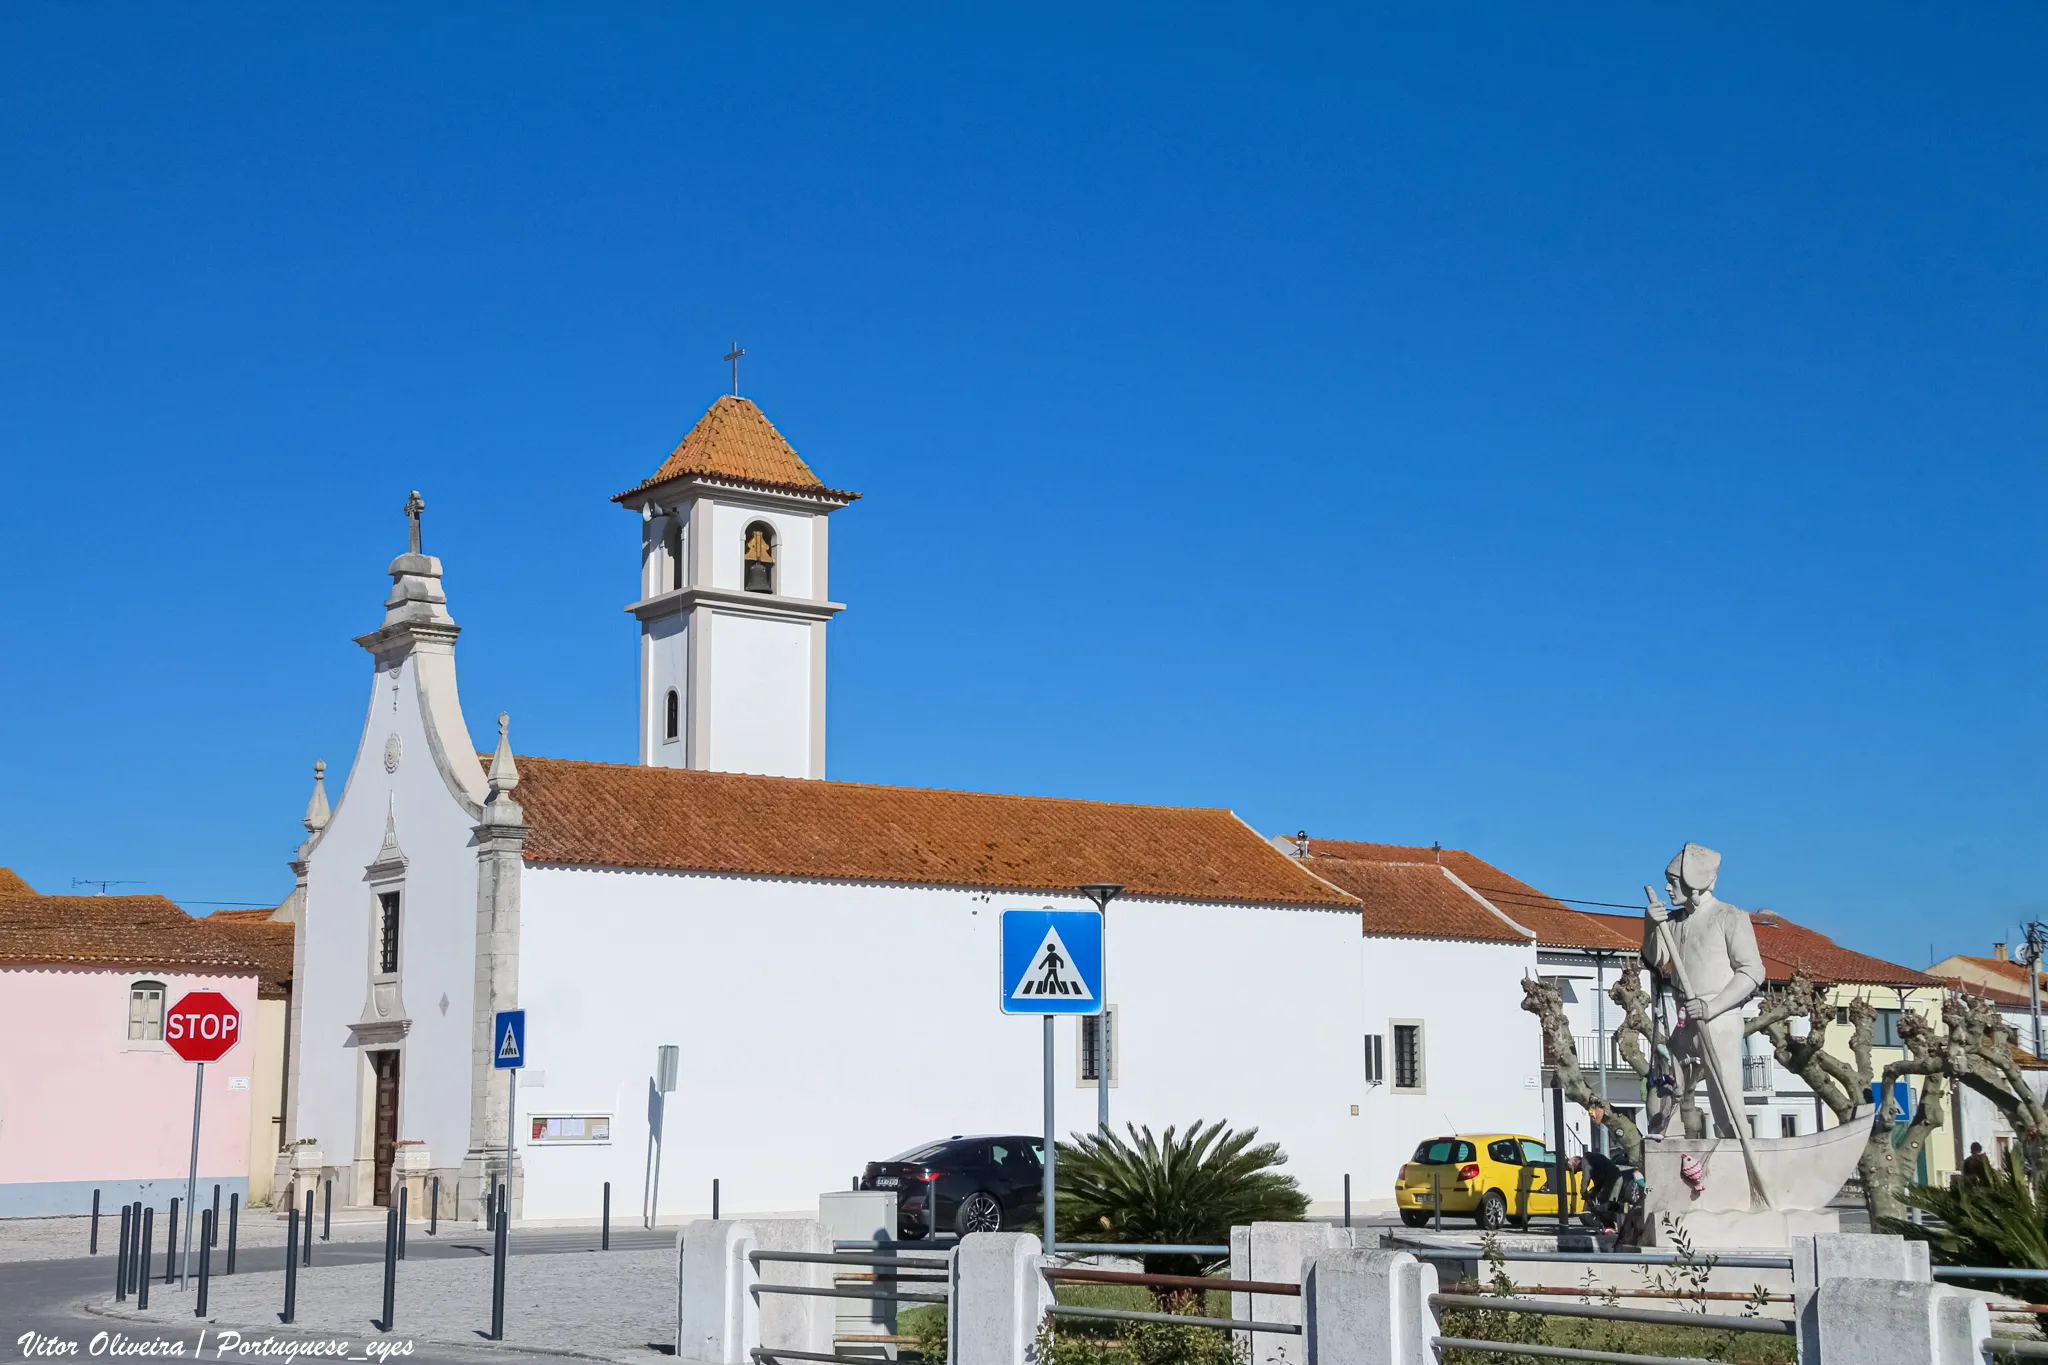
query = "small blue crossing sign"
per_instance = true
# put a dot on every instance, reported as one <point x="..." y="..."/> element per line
<point x="508" y="1053"/>
<point x="1052" y="962"/>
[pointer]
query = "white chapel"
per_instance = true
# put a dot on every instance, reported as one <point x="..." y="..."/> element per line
<point x="823" y="954"/>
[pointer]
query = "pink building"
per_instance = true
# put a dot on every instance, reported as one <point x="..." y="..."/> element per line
<point x="91" y="1097"/>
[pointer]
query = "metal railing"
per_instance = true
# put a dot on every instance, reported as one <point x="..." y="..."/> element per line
<point x="2022" y="1347"/>
<point x="1600" y="1312"/>
<point x="1987" y="1272"/>
<point x="1202" y="1283"/>
<point x="939" y="1291"/>
<point x="1563" y="1352"/>
<point x="1612" y="1258"/>
<point x="1757" y="1076"/>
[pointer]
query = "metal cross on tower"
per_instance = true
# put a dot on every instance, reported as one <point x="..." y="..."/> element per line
<point x="733" y="358"/>
<point x="413" y="507"/>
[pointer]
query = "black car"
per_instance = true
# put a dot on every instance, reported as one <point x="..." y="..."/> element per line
<point x="978" y="1184"/>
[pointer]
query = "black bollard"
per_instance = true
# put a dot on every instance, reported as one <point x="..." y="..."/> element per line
<point x="434" y="1209"/>
<point x="326" y="1211"/>
<point x="171" y="1244"/>
<point x="498" y="1249"/>
<point x="135" y="1251"/>
<point x="404" y="1213"/>
<point x="1347" y="1200"/>
<point x="291" y="1266"/>
<point x="714" y="1200"/>
<point x="93" y="1246"/>
<point x="121" y="1265"/>
<point x="606" y="1244"/>
<point x="234" y="1219"/>
<point x="307" y="1259"/>
<point x="215" y="1224"/>
<point x="205" y="1262"/>
<point x="390" y="1266"/>
<point x="142" y="1282"/>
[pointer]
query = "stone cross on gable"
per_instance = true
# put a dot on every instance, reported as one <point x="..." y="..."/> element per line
<point x="413" y="508"/>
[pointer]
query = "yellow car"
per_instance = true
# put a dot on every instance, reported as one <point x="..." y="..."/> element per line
<point x="1492" y="1178"/>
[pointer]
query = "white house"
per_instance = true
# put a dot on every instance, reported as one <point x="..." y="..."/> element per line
<point x="823" y="954"/>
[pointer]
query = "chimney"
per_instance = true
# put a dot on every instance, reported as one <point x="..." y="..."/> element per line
<point x="1998" y="953"/>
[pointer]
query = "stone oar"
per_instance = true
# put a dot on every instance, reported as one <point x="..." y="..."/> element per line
<point x="1732" y="1105"/>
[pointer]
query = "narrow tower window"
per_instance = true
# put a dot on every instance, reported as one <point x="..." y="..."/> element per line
<point x="674" y="724"/>
<point x="387" y="933"/>
<point x="760" y="558"/>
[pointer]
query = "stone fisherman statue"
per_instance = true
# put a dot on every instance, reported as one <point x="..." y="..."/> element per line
<point x="1717" y="969"/>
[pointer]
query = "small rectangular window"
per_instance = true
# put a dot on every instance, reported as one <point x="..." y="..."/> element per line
<point x="1091" y="1047"/>
<point x="146" y="1012"/>
<point x="1788" y="1125"/>
<point x="1408" y="1071"/>
<point x="1842" y="1015"/>
<point x="1885" y="1032"/>
<point x="387" y="932"/>
<point x="1375" y="1058"/>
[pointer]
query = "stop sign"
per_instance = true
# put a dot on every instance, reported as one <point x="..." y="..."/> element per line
<point x="202" y="1026"/>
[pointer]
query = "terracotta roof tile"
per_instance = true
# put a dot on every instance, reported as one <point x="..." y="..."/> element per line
<point x="734" y="440"/>
<point x="1555" y="924"/>
<point x="1415" y="900"/>
<point x="613" y="815"/>
<point x="114" y="931"/>
<point x="1996" y="995"/>
<point x="267" y="942"/>
<point x="1786" y="946"/>
<point x="13" y="885"/>
<point x="2014" y="973"/>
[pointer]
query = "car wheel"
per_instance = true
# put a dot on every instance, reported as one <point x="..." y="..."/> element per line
<point x="1415" y="1218"/>
<point x="979" y="1212"/>
<point x="1492" y="1213"/>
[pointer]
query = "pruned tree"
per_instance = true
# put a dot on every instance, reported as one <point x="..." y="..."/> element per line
<point x="1542" y="999"/>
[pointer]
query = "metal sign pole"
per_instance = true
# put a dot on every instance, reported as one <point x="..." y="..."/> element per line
<point x="1050" y="1225"/>
<point x="192" y="1176"/>
<point x="511" y="1119"/>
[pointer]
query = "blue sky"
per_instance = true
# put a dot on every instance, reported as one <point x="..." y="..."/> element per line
<point x="1561" y="435"/>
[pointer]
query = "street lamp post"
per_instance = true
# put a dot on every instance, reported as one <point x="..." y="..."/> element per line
<point x="1102" y="893"/>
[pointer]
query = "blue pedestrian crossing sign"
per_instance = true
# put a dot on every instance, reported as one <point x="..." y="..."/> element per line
<point x="508" y="1053"/>
<point x="1052" y="962"/>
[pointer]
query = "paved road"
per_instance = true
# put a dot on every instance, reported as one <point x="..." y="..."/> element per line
<point x="45" y="1298"/>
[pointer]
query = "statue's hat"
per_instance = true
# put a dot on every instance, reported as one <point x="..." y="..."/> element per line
<point x="1696" y="865"/>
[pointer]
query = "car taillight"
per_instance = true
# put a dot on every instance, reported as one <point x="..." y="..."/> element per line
<point x="1469" y="1171"/>
<point x="930" y="1176"/>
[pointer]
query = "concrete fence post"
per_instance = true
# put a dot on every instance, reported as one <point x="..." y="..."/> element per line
<point x="796" y="1322"/>
<point x="1899" y="1322"/>
<point x="999" y="1297"/>
<point x="1276" y="1252"/>
<point x="1850" y="1256"/>
<point x="718" y="1321"/>
<point x="1364" y="1307"/>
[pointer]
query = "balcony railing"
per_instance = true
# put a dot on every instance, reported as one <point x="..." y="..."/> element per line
<point x="1756" y="1075"/>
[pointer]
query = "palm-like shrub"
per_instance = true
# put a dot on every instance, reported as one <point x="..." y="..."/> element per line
<point x="1186" y="1188"/>
<point x="2001" y="1220"/>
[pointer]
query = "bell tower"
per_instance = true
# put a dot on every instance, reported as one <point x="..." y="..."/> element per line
<point x="733" y="602"/>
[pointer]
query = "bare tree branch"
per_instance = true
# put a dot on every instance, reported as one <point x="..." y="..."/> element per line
<point x="1542" y="999"/>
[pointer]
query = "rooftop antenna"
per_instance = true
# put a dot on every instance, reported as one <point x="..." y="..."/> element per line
<point x="103" y="883"/>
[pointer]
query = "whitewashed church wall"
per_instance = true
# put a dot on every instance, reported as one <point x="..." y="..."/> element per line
<point x="761" y="696"/>
<point x="437" y="943"/>
<point x="826" y="1025"/>
<point x="668" y="664"/>
<point x="729" y="525"/>
<point x="1482" y="1054"/>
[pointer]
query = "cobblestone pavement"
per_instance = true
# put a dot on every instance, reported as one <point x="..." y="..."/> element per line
<point x="617" y="1305"/>
<point x="57" y="1239"/>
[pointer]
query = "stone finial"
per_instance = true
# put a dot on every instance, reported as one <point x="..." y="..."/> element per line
<point x="316" y="809"/>
<point x="504" y="775"/>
